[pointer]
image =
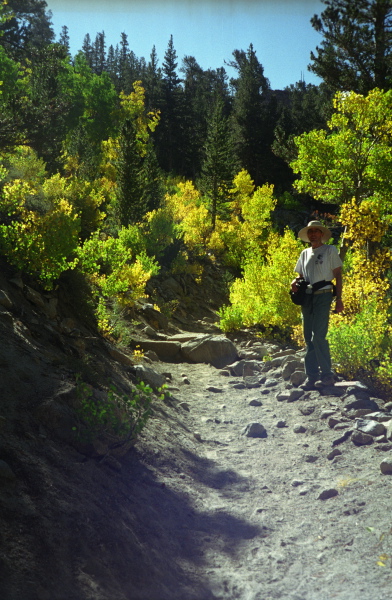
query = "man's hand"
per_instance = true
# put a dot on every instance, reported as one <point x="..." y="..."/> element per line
<point x="339" y="305"/>
<point x="294" y="285"/>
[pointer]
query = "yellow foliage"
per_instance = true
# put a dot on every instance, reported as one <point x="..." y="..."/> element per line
<point x="13" y="198"/>
<point x="85" y="196"/>
<point x="42" y="245"/>
<point x="132" y="106"/>
<point x="365" y="279"/>
<point x="187" y="197"/>
<point x="363" y="222"/>
<point x="190" y="215"/>
<point x="245" y="231"/>
<point x="243" y="188"/>
<point x="261" y="296"/>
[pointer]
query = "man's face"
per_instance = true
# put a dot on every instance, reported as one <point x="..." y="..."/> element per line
<point x="314" y="235"/>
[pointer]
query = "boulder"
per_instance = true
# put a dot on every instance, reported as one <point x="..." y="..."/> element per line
<point x="370" y="427"/>
<point x="388" y="427"/>
<point x="216" y="350"/>
<point x="297" y="378"/>
<point x="240" y="367"/>
<point x="164" y="349"/>
<point x="291" y="364"/>
<point x="289" y="395"/>
<point x="252" y="382"/>
<point x="153" y="317"/>
<point x="149" y="376"/>
<point x="255" y="430"/>
<point x="352" y="402"/>
<point x="5" y="300"/>
<point x="386" y="466"/>
<point x="361" y="439"/>
<point x="260" y="350"/>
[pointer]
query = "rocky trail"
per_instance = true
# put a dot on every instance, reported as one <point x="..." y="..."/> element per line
<point x="296" y="513"/>
<point x="241" y="486"/>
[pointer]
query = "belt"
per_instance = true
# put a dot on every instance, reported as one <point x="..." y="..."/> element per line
<point x="330" y="290"/>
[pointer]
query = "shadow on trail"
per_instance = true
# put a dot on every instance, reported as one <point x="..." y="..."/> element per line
<point x="205" y="471"/>
<point x="178" y="534"/>
<point x="90" y="531"/>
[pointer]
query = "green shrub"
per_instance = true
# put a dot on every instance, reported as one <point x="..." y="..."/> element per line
<point x="114" y="273"/>
<point x="118" y="420"/>
<point x="261" y="296"/>
<point x="358" y="346"/>
<point x="41" y="245"/>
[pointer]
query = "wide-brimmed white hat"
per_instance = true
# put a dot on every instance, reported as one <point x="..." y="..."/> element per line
<point x="303" y="233"/>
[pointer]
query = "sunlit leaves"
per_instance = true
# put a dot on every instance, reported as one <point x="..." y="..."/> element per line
<point x="353" y="158"/>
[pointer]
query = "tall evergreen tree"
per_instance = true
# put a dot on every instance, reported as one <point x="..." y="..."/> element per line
<point x="130" y="201"/>
<point x="169" y="133"/>
<point x="152" y="81"/>
<point x="112" y="64"/>
<point x="197" y="103"/>
<point x="254" y="117"/>
<point x="28" y="27"/>
<point x="219" y="165"/>
<point x="304" y="107"/>
<point x="87" y="49"/>
<point x="356" y="52"/>
<point x="123" y="65"/>
<point x="49" y="112"/>
<point x="98" y="59"/>
<point x="151" y="180"/>
<point x="64" y="38"/>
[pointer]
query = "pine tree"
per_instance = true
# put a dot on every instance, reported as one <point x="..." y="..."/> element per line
<point x="151" y="181"/>
<point x="356" y="52"/>
<point x="98" y="61"/>
<point x="123" y="68"/>
<point x="87" y="49"/>
<point x="218" y="166"/>
<point x="254" y="117"/>
<point x="64" y="38"/>
<point x="153" y="81"/>
<point x="169" y="136"/>
<point x="112" y="64"/>
<point x="50" y="103"/>
<point x="29" y="27"/>
<point x="304" y="107"/>
<point x="131" y="205"/>
<point x="197" y="103"/>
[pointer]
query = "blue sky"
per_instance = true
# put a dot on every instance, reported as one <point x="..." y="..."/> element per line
<point x="209" y="30"/>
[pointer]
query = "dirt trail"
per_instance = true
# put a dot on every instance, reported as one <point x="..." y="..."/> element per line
<point x="254" y="527"/>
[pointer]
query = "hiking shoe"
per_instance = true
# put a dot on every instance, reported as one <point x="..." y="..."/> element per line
<point x="308" y="385"/>
<point x="325" y="381"/>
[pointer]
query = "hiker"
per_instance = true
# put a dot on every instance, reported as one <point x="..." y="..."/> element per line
<point x="319" y="263"/>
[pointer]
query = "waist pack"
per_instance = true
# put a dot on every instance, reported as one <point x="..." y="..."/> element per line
<point x="304" y="289"/>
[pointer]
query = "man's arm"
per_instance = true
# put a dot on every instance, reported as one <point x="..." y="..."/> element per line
<point x="337" y="273"/>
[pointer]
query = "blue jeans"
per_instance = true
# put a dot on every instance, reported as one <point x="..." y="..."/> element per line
<point x="315" y="315"/>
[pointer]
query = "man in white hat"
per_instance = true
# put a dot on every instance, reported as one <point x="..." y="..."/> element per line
<point x="319" y="263"/>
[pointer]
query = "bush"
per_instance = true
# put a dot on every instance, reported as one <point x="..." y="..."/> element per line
<point x="262" y="295"/>
<point x="41" y="245"/>
<point x="360" y="345"/>
<point x="114" y="273"/>
<point x="117" y="420"/>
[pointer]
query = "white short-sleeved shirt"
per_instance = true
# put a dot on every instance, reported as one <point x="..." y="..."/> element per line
<point x="317" y="264"/>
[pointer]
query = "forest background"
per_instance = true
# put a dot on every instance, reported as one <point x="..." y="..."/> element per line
<point x="115" y="170"/>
